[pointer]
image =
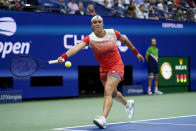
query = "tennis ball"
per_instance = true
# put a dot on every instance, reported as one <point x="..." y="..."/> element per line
<point x="68" y="64"/>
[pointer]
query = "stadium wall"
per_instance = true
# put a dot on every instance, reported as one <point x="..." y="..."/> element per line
<point x="46" y="36"/>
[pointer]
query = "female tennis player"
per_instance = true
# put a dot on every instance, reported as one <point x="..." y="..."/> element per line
<point x="103" y="43"/>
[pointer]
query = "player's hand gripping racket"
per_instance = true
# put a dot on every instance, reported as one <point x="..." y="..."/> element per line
<point x="23" y="66"/>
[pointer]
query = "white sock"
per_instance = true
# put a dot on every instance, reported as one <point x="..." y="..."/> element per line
<point x="156" y="89"/>
<point x="103" y="118"/>
<point x="127" y="104"/>
<point x="149" y="89"/>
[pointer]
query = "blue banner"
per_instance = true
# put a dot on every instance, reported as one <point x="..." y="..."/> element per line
<point x="10" y="96"/>
<point x="132" y="90"/>
<point x="46" y="36"/>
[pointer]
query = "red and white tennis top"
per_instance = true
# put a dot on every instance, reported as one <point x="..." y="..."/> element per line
<point x="105" y="49"/>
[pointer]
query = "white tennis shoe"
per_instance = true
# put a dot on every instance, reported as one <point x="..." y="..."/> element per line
<point x="100" y="121"/>
<point x="158" y="92"/>
<point x="149" y="92"/>
<point x="130" y="108"/>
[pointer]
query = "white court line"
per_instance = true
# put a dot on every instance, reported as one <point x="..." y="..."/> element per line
<point x="66" y="128"/>
<point x="166" y="124"/>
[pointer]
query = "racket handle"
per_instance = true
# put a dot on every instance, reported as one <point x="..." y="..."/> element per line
<point x="53" y="62"/>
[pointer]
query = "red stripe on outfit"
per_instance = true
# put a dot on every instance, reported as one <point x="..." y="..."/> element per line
<point x="86" y="40"/>
<point x="117" y="34"/>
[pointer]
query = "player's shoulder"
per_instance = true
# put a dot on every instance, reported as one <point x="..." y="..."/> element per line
<point x="109" y="30"/>
<point x="149" y="48"/>
<point x="92" y="35"/>
<point x="112" y="31"/>
<point x="156" y="48"/>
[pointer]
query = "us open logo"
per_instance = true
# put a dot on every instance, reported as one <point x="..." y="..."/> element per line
<point x="8" y="28"/>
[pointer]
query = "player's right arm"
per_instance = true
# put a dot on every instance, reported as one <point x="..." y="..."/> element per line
<point x="146" y="57"/>
<point x="73" y="50"/>
<point x="147" y="54"/>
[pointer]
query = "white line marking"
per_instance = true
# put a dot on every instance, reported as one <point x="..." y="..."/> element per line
<point x="66" y="128"/>
<point x="165" y="118"/>
<point x="167" y="124"/>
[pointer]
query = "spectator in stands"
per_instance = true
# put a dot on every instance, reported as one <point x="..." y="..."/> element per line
<point x="177" y="2"/>
<point x="152" y="14"/>
<point x="171" y="9"/>
<point x="192" y="3"/>
<point x="91" y="10"/>
<point x="126" y="3"/>
<point x="139" y="2"/>
<point x="179" y="15"/>
<point x="131" y="12"/>
<point x="184" y="4"/>
<point x="81" y="9"/>
<point x="140" y="12"/>
<point x="73" y="6"/>
<point x="160" y="5"/>
<point x="121" y="3"/>
<point x="190" y="16"/>
<point x="153" y="9"/>
<point x="62" y="7"/>
<point x="132" y="4"/>
<point x="195" y="17"/>
<point x="3" y="4"/>
<point x="16" y="5"/>
<point x="152" y="61"/>
<point x="153" y="2"/>
<point x="165" y="12"/>
<point x="146" y="5"/>
<point x="117" y="8"/>
<point x="107" y="4"/>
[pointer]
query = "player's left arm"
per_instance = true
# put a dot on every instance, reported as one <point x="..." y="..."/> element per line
<point x="128" y="43"/>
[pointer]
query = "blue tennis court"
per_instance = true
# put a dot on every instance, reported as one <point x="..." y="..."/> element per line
<point x="181" y="123"/>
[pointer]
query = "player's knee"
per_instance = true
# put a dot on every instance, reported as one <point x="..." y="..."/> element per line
<point x="151" y="78"/>
<point x="108" y="91"/>
<point x="156" y="77"/>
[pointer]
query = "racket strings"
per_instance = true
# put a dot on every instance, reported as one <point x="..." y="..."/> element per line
<point x="23" y="66"/>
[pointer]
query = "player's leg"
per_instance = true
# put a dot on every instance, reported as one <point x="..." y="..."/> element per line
<point x="110" y="82"/>
<point x="151" y="76"/>
<point x="129" y="105"/>
<point x="109" y="87"/>
<point x="117" y="96"/>
<point x="119" y="73"/>
<point x="156" y="82"/>
<point x="156" y="85"/>
<point x="110" y="92"/>
<point x="156" y="91"/>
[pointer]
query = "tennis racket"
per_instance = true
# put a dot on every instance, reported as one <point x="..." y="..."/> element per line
<point x="23" y="66"/>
